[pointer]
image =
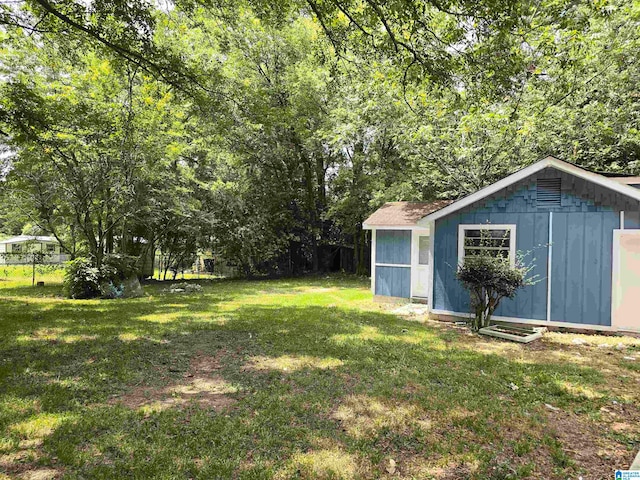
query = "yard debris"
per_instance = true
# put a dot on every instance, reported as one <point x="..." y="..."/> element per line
<point x="391" y="469"/>
<point x="184" y="287"/>
<point x="513" y="333"/>
<point x="630" y="358"/>
<point x="411" y="309"/>
<point x="513" y="386"/>
<point x="579" y="341"/>
<point x="552" y="408"/>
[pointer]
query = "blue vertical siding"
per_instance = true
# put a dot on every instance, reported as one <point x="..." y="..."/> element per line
<point x="532" y="233"/>
<point x="393" y="281"/>
<point x="581" y="267"/>
<point x="582" y="251"/>
<point x="393" y="246"/>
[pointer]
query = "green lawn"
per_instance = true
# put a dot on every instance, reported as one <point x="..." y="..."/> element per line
<point x="301" y="378"/>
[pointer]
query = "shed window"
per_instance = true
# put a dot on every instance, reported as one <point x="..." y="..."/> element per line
<point x="16" y="248"/>
<point x="51" y="247"/>
<point x="423" y="250"/>
<point x="492" y="240"/>
<point x="548" y="192"/>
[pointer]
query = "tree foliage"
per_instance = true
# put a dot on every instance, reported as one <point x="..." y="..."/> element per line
<point x="268" y="131"/>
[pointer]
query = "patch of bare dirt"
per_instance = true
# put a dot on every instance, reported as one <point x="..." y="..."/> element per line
<point x="40" y="474"/>
<point x="594" y="446"/>
<point x="22" y="464"/>
<point x="202" y="385"/>
<point x="412" y="467"/>
<point x="452" y="472"/>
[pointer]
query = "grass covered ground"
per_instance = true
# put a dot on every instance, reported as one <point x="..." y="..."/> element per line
<point x="22" y="275"/>
<point x="301" y="378"/>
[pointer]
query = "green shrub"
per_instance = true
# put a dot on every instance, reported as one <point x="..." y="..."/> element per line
<point x="489" y="280"/>
<point x="117" y="267"/>
<point x="81" y="279"/>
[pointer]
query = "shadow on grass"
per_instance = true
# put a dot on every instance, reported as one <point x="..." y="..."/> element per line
<point x="321" y="391"/>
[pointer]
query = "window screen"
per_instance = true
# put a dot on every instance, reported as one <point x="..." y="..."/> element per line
<point x="423" y="250"/>
<point x="495" y="243"/>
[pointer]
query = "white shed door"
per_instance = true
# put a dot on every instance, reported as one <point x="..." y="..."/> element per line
<point x="625" y="311"/>
<point x="421" y="266"/>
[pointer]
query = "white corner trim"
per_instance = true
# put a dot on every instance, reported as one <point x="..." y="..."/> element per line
<point x="432" y="243"/>
<point x="413" y="270"/>
<point x="526" y="172"/>
<point x="532" y="321"/>
<point x="621" y="219"/>
<point x="549" y="260"/>
<point x="373" y="261"/>
<point x="487" y="226"/>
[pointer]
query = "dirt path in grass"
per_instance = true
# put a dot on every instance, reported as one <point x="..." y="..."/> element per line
<point x="201" y="384"/>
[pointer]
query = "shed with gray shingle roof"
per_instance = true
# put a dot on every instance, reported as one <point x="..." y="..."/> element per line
<point x="579" y="230"/>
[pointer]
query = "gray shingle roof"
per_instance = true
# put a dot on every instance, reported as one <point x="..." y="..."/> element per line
<point x="401" y="214"/>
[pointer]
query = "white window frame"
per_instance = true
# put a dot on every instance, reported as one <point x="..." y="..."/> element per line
<point x="487" y="226"/>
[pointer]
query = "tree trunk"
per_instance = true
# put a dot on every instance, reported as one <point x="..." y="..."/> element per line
<point x="109" y="241"/>
<point x="359" y="248"/>
<point x="314" y="253"/>
<point x="356" y="252"/>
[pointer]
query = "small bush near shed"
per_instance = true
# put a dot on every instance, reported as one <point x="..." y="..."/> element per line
<point x="489" y="280"/>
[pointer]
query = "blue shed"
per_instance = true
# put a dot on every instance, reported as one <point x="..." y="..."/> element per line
<point x="580" y="230"/>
